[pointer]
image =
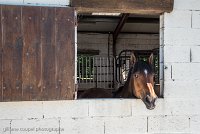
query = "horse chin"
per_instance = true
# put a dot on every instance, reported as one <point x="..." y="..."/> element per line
<point x="149" y="106"/>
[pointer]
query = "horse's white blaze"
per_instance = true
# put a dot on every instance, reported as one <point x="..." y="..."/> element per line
<point x="153" y="94"/>
<point x="145" y="72"/>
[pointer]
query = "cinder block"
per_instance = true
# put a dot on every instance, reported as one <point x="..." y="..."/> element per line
<point x="21" y="110"/>
<point x="168" y="71"/>
<point x="12" y="2"/>
<point x="196" y="19"/>
<point x="195" y="51"/>
<point x="44" y="2"/>
<point x="5" y="126"/>
<point x="177" y="19"/>
<point x="48" y="2"/>
<point x="138" y="36"/>
<point x="181" y="36"/>
<point x="177" y="54"/>
<point x="69" y="108"/>
<point x="182" y="89"/>
<point x="168" y="124"/>
<point x="93" y="42"/>
<point x="162" y="108"/>
<point x="109" y="107"/>
<point x="167" y="106"/>
<point x="183" y="106"/>
<point x="42" y="126"/>
<point x="187" y="4"/>
<point x="185" y="71"/>
<point x="126" y="125"/>
<point x="82" y="126"/>
<point x="194" y="124"/>
<point x="63" y="2"/>
<point x="131" y="41"/>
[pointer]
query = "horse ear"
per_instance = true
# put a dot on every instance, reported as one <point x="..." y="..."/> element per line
<point x="132" y="59"/>
<point x="150" y="60"/>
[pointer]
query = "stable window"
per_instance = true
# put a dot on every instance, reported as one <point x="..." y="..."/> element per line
<point x="115" y="36"/>
<point x="112" y="25"/>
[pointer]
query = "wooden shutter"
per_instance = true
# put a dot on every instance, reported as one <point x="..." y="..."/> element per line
<point x="37" y="59"/>
<point x="1" y="86"/>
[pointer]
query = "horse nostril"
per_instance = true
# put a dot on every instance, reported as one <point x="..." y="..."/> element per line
<point x="148" y="99"/>
<point x="150" y="102"/>
<point x="155" y="102"/>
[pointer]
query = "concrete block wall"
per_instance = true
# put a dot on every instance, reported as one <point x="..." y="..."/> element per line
<point x="97" y="41"/>
<point x="137" y="42"/>
<point x="103" y="116"/>
<point x="94" y="41"/>
<point x="181" y="42"/>
<point x="59" y="3"/>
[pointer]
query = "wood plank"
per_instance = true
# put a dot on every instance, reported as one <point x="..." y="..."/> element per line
<point x="49" y="89"/>
<point x="1" y="91"/>
<point x="124" y="6"/>
<point x="12" y="53"/>
<point x="118" y="29"/>
<point x="65" y="52"/>
<point x="31" y="74"/>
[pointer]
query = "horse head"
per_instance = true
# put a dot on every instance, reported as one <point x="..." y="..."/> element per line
<point x="142" y="81"/>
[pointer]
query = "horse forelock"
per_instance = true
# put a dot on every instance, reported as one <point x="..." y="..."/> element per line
<point x="142" y="67"/>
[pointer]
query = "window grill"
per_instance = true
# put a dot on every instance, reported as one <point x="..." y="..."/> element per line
<point x="95" y="72"/>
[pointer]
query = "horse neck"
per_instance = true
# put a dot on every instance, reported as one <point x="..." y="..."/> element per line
<point x="126" y="91"/>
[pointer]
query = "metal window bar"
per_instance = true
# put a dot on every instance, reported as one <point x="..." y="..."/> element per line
<point x="94" y="71"/>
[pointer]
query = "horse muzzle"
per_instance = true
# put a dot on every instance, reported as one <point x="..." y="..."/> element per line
<point x="149" y="101"/>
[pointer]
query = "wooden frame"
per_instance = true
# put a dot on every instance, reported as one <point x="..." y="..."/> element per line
<point x="124" y="6"/>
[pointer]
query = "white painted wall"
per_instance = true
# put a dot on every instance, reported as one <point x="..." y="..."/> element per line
<point x="102" y="116"/>
<point x="37" y="2"/>
<point x="181" y="30"/>
<point x="99" y="42"/>
<point x="178" y="112"/>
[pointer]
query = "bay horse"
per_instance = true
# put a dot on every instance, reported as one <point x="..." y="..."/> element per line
<point x="139" y="84"/>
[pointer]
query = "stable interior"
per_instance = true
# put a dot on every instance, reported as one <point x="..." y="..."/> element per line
<point x="105" y="42"/>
